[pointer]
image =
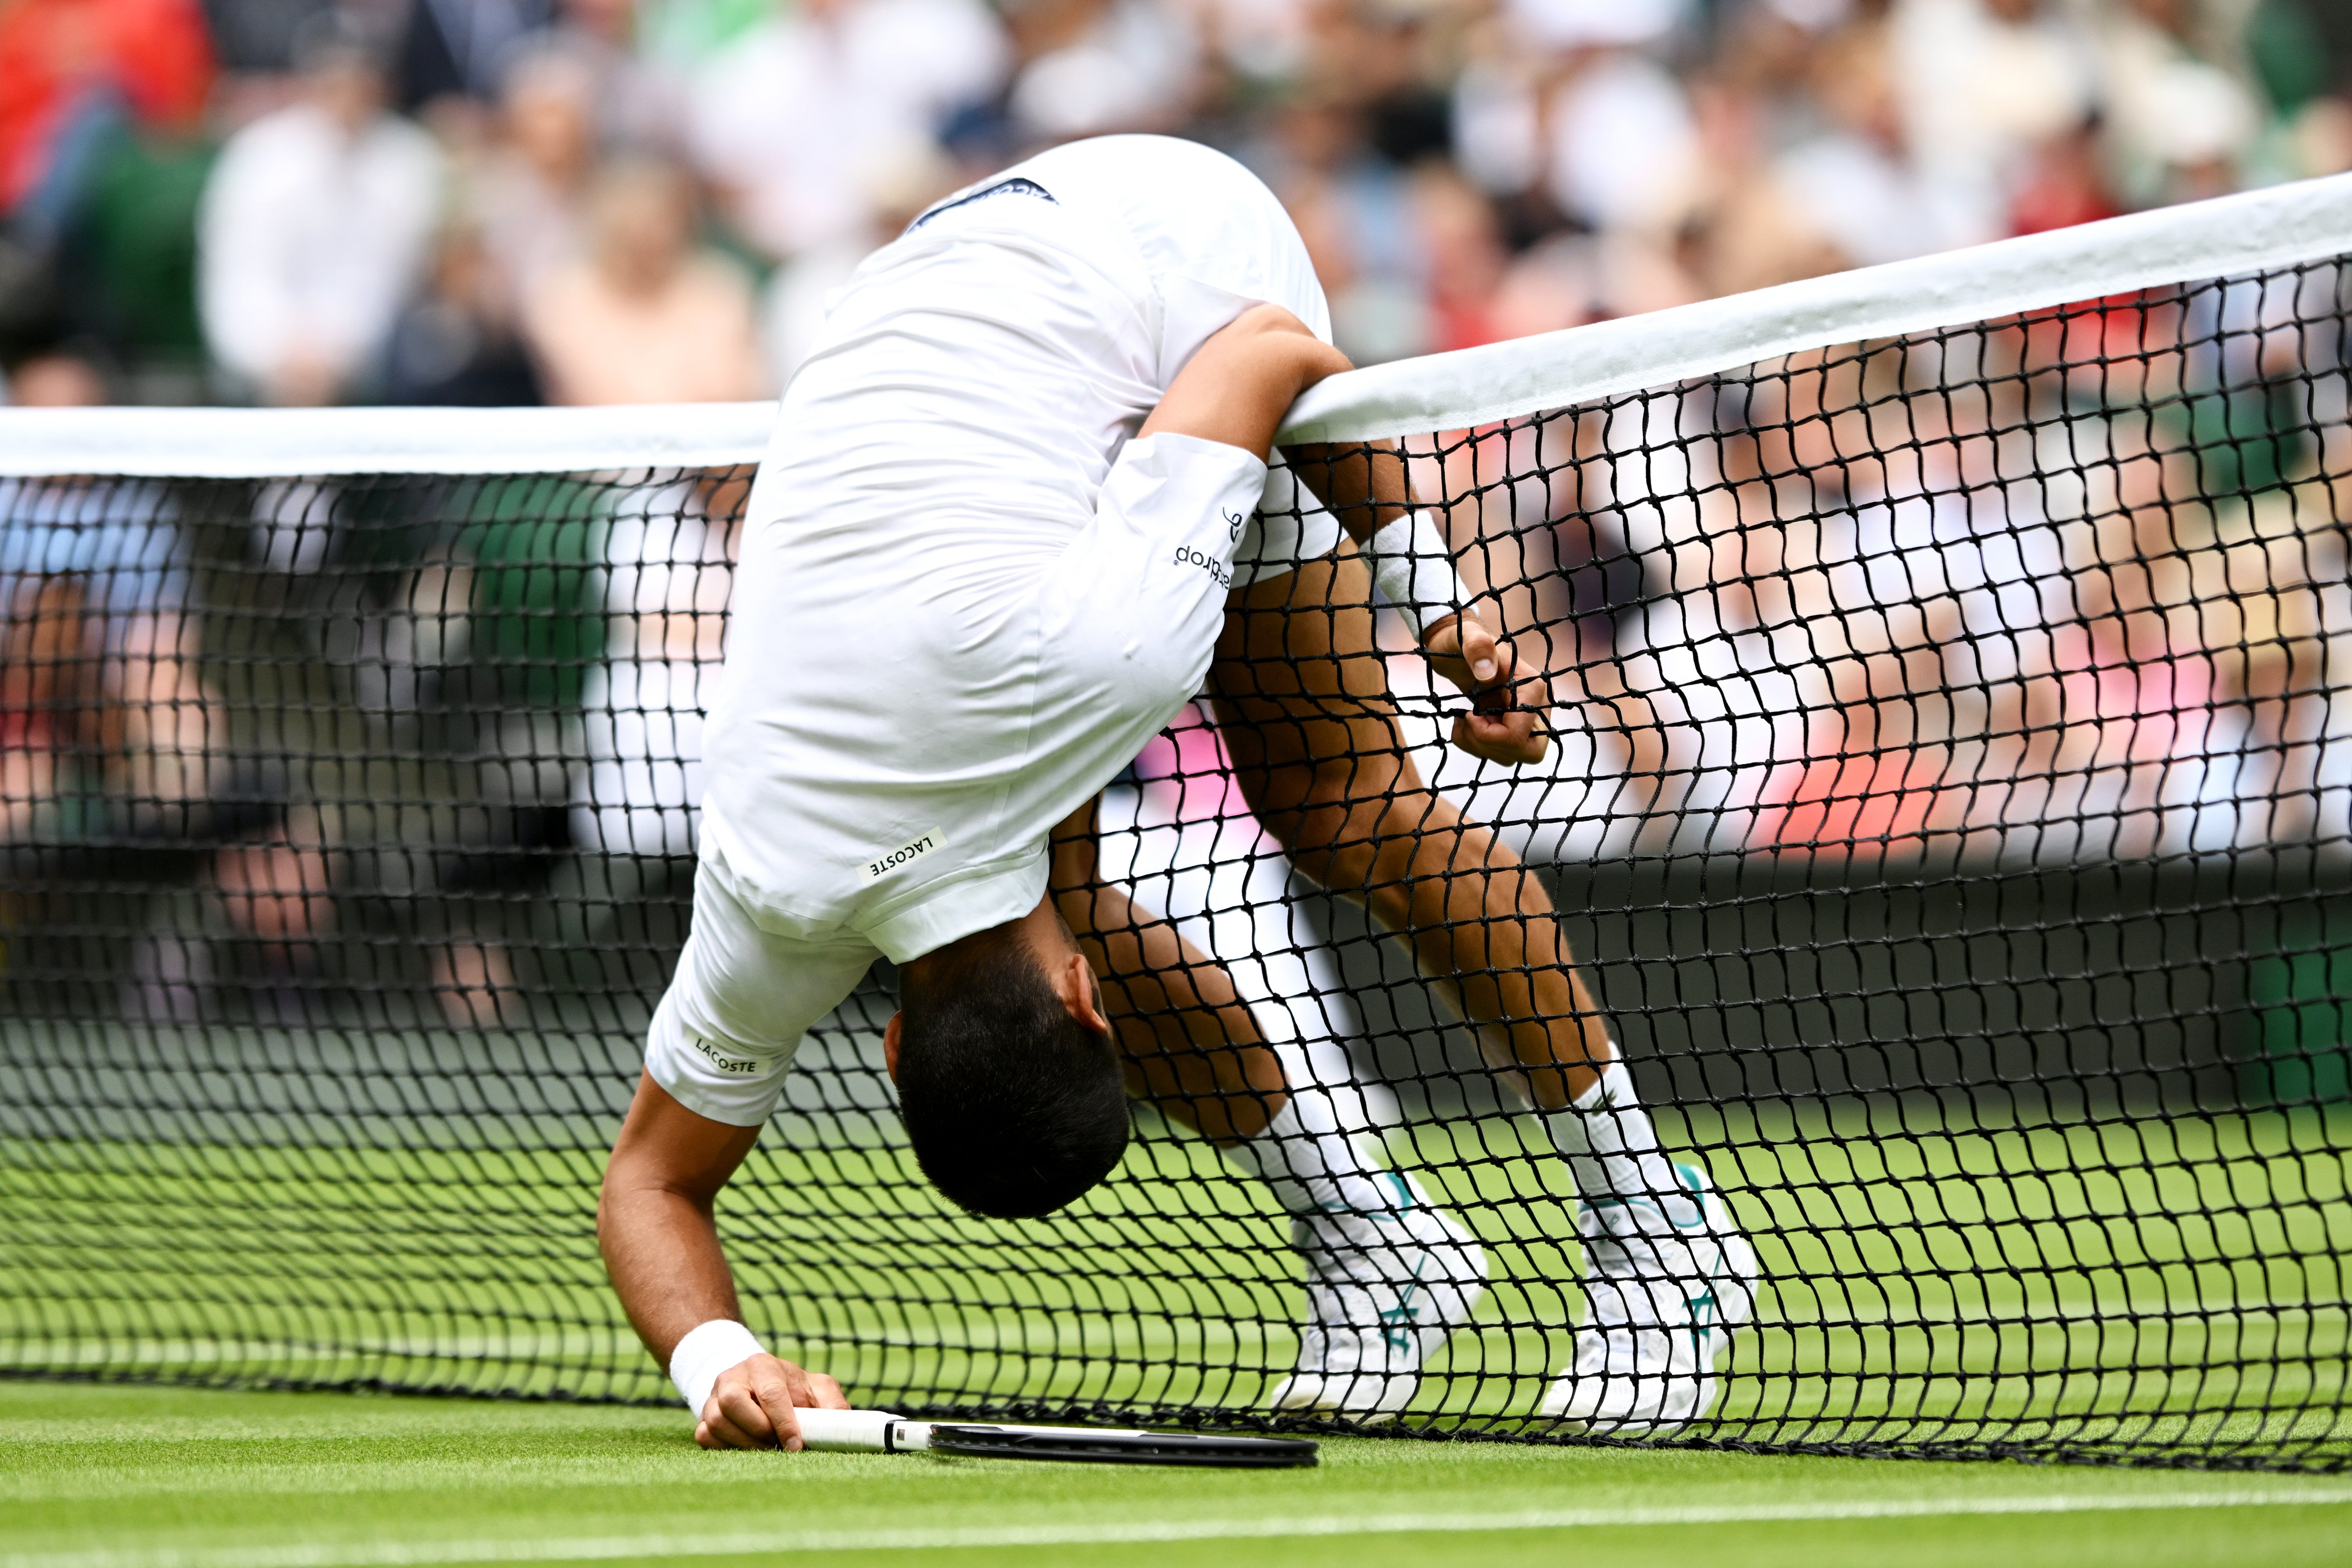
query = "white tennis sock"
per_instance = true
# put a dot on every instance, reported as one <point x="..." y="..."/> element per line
<point x="1311" y="1165"/>
<point x="1609" y="1143"/>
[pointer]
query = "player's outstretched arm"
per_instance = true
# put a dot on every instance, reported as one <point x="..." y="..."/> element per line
<point x="661" y="1248"/>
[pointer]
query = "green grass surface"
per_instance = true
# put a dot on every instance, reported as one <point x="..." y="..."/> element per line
<point x="2152" y="1283"/>
<point x="96" y="1476"/>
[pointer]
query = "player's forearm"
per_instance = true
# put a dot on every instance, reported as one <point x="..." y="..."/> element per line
<point x="1363" y="483"/>
<point x="653" y="1218"/>
<point x="662" y="1251"/>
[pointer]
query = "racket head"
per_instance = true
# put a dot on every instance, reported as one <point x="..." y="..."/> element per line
<point x="1078" y="1445"/>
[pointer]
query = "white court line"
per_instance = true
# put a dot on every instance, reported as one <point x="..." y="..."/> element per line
<point x="590" y="1549"/>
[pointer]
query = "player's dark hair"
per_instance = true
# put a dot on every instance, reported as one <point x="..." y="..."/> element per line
<point x="1013" y="1107"/>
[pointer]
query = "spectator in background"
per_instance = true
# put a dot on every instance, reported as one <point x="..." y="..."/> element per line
<point x="797" y="123"/>
<point x="1567" y="114"/>
<point x="73" y="73"/>
<point x="1568" y="97"/>
<point x="2178" y="119"/>
<point x="1367" y="108"/>
<point x="1464" y="257"/>
<point x="529" y="198"/>
<point x="1984" y="85"/>
<point x="1856" y="183"/>
<point x="101" y="676"/>
<point x="73" y="66"/>
<point x="1745" y="231"/>
<point x="57" y="381"/>
<point x="646" y="315"/>
<point x="520" y="219"/>
<point x="1762" y="53"/>
<point x="1261" y="42"/>
<point x="2063" y="182"/>
<point x="1090" y="68"/>
<point x="639" y="106"/>
<point x="596" y="689"/>
<point x="1353" y="211"/>
<point x="2322" y="137"/>
<point x="669" y="569"/>
<point x="43" y="673"/>
<point x="462" y="49"/>
<point x="457" y="344"/>
<point x="41" y="682"/>
<point x="255" y="41"/>
<point x="456" y="56"/>
<point x="314" y="227"/>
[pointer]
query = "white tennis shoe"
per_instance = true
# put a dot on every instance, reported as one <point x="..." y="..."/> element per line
<point x="1383" y="1290"/>
<point x="1668" y="1280"/>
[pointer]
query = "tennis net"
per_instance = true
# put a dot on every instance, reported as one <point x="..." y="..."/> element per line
<point x="1950" y="803"/>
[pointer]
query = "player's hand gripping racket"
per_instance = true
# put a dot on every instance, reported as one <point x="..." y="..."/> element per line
<point x="880" y="1432"/>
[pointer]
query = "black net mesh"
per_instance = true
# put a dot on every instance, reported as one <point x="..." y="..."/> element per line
<point x="1950" y="809"/>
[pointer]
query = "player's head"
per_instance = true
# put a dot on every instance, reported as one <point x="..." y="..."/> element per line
<point x="1008" y="1078"/>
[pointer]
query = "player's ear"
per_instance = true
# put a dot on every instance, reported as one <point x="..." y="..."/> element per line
<point x="890" y="1047"/>
<point x="1074" y="982"/>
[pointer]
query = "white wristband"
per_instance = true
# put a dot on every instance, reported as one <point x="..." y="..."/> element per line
<point x="1414" y="571"/>
<point x="704" y="1353"/>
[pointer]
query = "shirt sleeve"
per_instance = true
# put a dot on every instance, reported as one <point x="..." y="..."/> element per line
<point x="1180" y="489"/>
<point x="722" y="1042"/>
<point x="1142" y="592"/>
<point x="1128" y="622"/>
<point x="1130" y="619"/>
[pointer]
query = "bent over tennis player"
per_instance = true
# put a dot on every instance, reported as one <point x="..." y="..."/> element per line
<point x="1011" y="518"/>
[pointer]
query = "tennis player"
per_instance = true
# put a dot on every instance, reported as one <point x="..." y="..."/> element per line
<point x="1016" y="488"/>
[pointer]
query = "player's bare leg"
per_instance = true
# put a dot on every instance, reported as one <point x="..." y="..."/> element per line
<point x="1388" y="1276"/>
<point x="1300" y="694"/>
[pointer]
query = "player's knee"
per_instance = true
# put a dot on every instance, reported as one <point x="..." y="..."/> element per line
<point x="1331" y="837"/>
<point x="1014" y="1108"/>
<point x="1343" y="848"/>
<point x="1354" y="870"/>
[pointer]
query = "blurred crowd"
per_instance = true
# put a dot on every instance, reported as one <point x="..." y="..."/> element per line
<point x="493" y="773"/>
<point x="494" y="202"/>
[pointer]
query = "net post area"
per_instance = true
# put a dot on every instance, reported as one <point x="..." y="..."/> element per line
<point x="1948" y="817"/>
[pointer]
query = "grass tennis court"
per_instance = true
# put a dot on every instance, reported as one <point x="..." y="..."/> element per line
<point x="2131" y="1283"/>
<point x="94" y="1476"/>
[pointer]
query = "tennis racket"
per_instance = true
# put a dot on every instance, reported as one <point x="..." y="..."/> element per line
<point x="1090" y="1444"/>
<point x="881" y="1432"/>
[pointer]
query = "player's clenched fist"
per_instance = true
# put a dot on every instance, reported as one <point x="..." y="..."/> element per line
<point x="1508" y="701"/>
<point x="751" y="1406"/>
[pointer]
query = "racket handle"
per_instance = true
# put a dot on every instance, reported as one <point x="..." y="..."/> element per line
<point x="861" y="1432"/>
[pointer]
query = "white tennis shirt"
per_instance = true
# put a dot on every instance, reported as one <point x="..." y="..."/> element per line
<point x="917" y="705"/>
<point x="966" y="597"/>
